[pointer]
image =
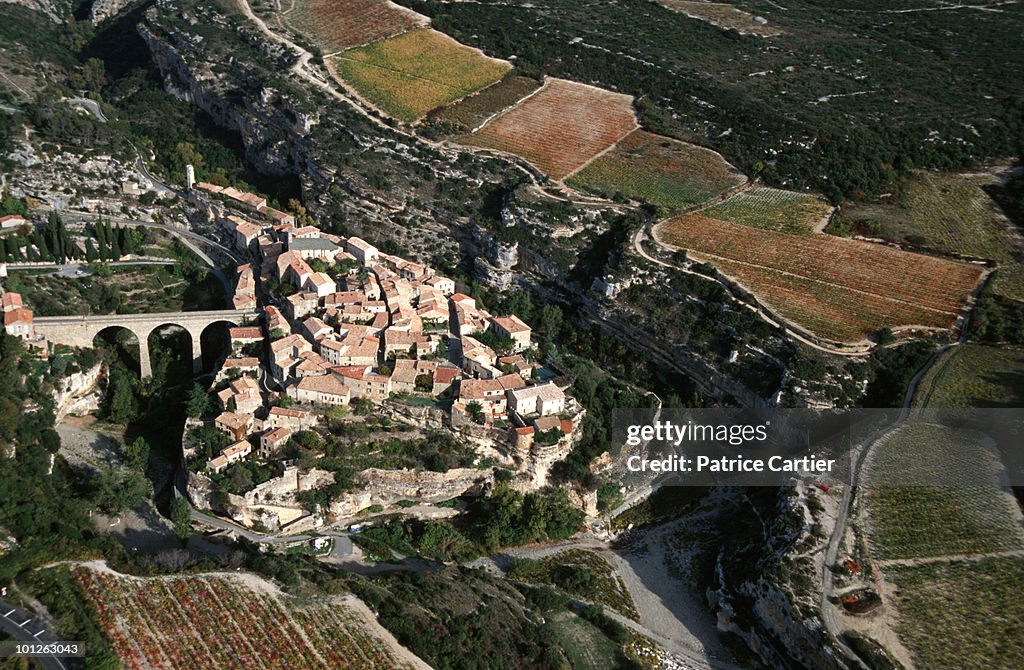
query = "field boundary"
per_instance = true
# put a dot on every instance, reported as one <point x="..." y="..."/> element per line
<point x="507" y="108"/>
<point x="612" y="147"/>
<point x="824" y="282"/>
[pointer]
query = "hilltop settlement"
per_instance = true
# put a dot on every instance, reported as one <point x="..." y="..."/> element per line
<point x="348" y="335"/>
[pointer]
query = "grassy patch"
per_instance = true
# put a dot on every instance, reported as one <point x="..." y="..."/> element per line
<point x="416" y="72"/>
<point x="580" y="573"/>
<point x="774" y="209"/>
<point x="962" y="615"/>
<point x="658" y="170"/>
<point x="1008" y="281"/>
<point x="924" y="521"/>
<point x="586" y="647"/>
<point x="946" y="212"/>
<point x="974" y="376"/>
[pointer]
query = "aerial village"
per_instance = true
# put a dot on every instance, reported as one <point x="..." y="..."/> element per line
<point x="350" y="325"/>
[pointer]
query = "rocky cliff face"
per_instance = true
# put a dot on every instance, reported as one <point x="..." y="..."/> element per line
<point x="765" y="586"/>
<point x="387" y="487"/>
<point x="55" y="10"/>
<point x="275" y="133"/>
<point x="79" y="393"/>
<point x="358" y="176"/>
<point x="102" y="10"/>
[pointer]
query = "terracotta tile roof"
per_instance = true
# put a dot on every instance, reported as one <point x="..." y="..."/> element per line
<point x="511" y="324"/>
<point x="18" y="315"/>
<point x="11" y="300"/>
<point x="245" y="333"/>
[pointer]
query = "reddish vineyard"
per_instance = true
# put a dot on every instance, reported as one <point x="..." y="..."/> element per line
<point x="837" y="288"/>
<point x="219" y="622"/>
<point x="336" y="25"/>
<point x="561" y="127"/>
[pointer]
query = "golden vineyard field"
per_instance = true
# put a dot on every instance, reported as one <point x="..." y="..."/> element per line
<point x="837" y="288"/>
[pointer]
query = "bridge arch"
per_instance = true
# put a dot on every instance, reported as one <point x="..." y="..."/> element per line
<point x="113" y="335"/>
<point x="80" y="331"/>
<point x="166" y="332"/>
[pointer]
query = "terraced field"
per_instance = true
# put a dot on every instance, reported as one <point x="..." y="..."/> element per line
<point x="221" y="621"/>
<point x="838" y="289"/>
<point x="1009" y="281"/>
<point x="974" y="375"/>
<point x="947" y="212"/>
<point x="773" y="209"/>
<point x="939" y="518"/>
<point x="409" y="75"/>
<point x="967" y="615"/>
<point x="468" y="113"/>
<point x="658" y="170"/>
<point x="336" y="25"/>
<point x="559" y="128"/>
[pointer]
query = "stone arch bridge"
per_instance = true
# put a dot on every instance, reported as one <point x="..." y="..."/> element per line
<point x="80" y="331"/>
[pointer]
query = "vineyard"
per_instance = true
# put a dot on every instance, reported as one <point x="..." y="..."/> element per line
<point x="722" y="15"/>
<point x="468" y="113"/>
<point x="336" y="25"/>
<point x="948" y="212"/>
<point x="659" y="170"/>
<point x="839" y="289"/>
<point x="559" y="128"/>
<point x="221" y="621"/>
<point x="416" y="72"/>
<point x="973" y="375"/>
<point x="965" y="615"/>
<point x="943" y="517"/>
<point x="773" y="209"/>
<point x="1009" y="281"/>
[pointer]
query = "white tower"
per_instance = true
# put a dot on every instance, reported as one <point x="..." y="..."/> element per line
<point x="190" y="177"/>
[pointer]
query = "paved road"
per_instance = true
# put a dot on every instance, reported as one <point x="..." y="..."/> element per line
<point x="90" y="106"/>
<point x="342" y="544"/>
<point x="187" y="237"/>
<point x="827" y="609"/>
<point x="72" y="270"/>
<point x="158" y="185"/>
<point x="24" y="627"/>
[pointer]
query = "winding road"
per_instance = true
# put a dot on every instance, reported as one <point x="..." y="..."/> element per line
<point x="826" y="608"/>
<point x="20" y="625"/>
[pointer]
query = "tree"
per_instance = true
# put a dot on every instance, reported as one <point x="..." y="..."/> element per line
<point x="198" y="402"/>
<point x="10" y="413"/>
<point x="137" y="454"/>
<point x="123" y="406"/>
<point x="476" y="412"/>
<point x="50" y="440"/>
<point x="240" y="478"/>
<point x="549" y="322"/>
<point x="13" y="206"/>
<point x="181" y="518"/>
<point x="115" y="490"/>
